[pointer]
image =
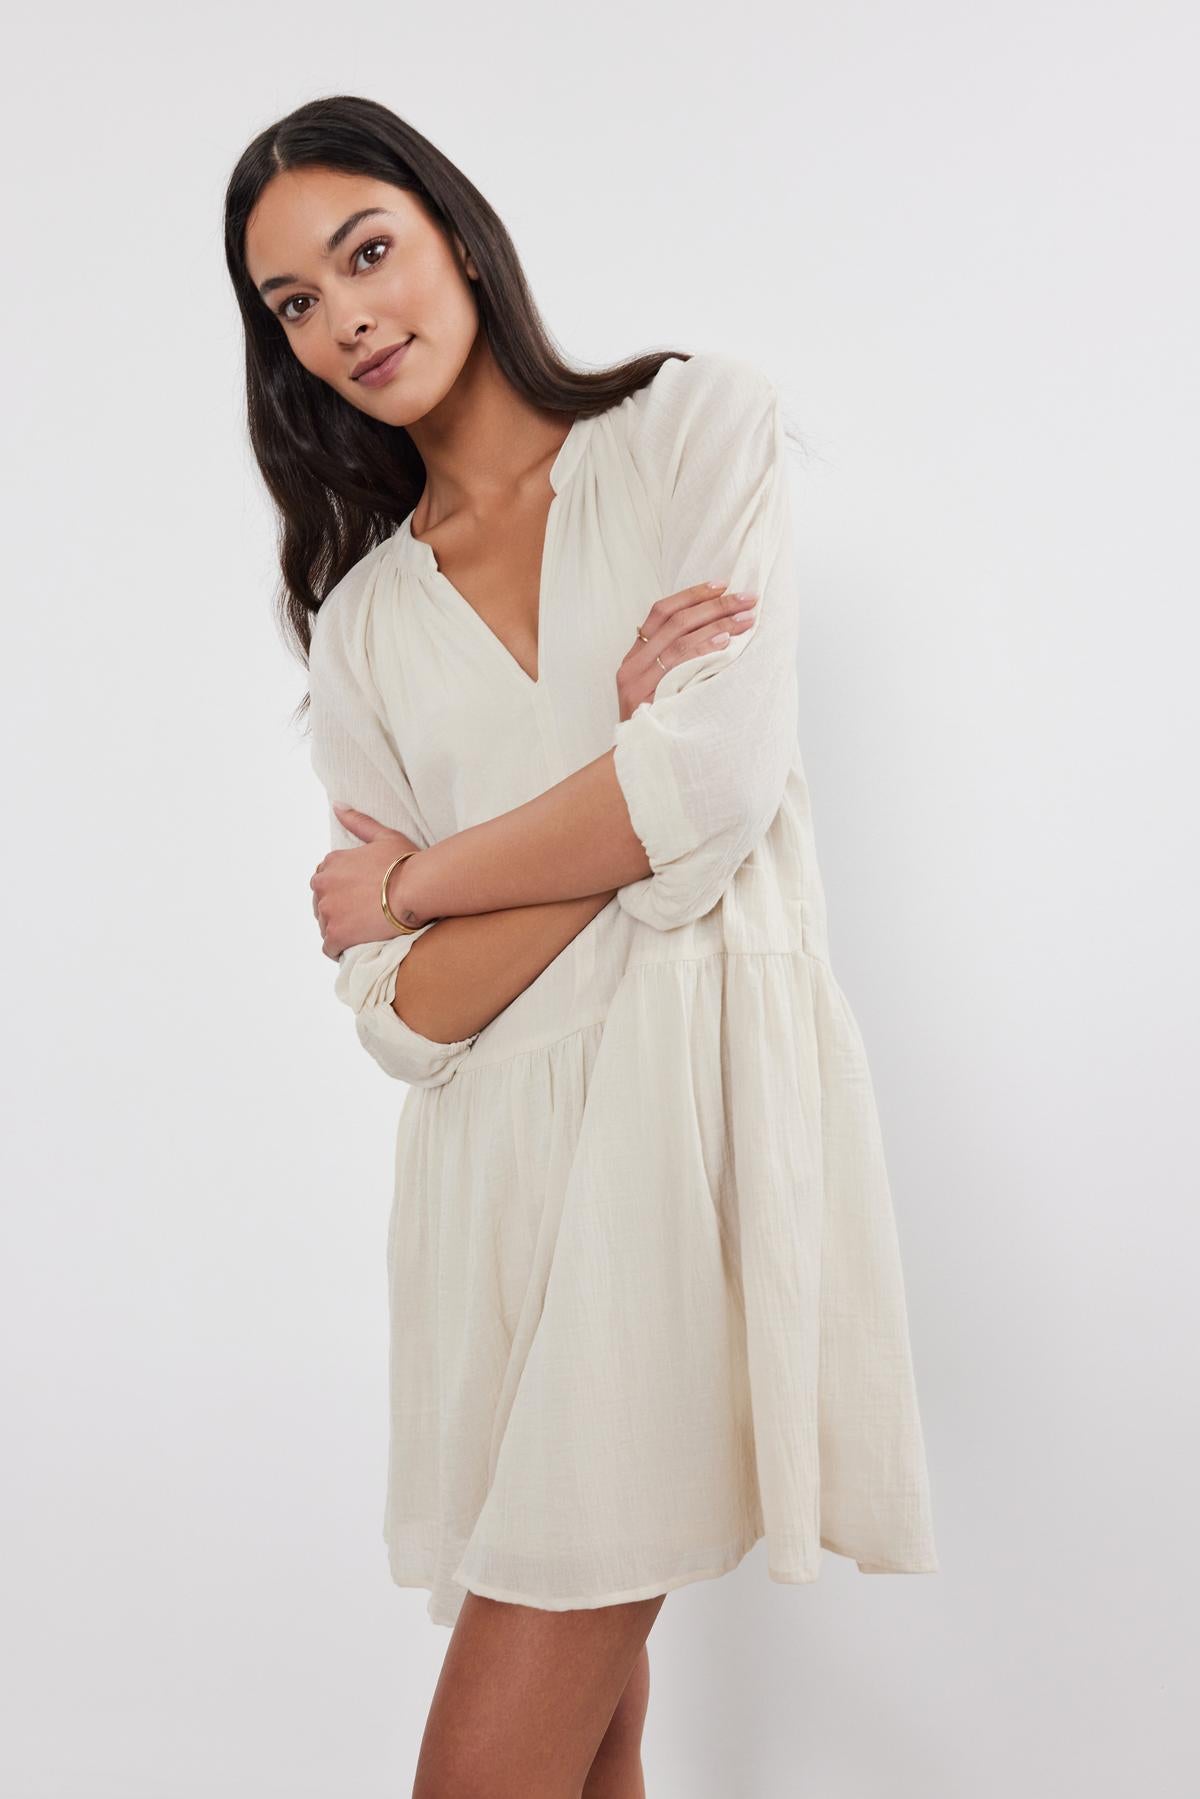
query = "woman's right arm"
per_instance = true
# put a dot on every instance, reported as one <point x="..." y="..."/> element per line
<point x="463" y="971"/>
<point x="418" y="1005"/>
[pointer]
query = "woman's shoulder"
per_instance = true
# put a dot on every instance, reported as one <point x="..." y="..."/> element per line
<point x="711" y="392"/>
<point x="339" y="617"/>
<point x="706" y="376"/>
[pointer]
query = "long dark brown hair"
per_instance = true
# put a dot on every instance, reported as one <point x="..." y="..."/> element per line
<point x="341" y="480"/>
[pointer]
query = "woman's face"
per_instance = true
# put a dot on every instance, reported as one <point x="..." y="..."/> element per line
<point x="388" y="277"/>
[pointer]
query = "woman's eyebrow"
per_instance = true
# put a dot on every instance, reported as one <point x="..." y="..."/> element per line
<point x="343" y="231"/>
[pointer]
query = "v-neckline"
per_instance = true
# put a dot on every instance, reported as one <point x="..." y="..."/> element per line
<point x="560" y="469"/>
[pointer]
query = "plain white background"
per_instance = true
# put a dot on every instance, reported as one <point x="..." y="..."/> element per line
<point x="963" y="240"/>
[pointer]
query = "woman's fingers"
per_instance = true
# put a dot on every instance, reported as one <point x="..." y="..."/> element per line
<point x="345" y="883"/>
<point x="678" y="628"/>
<point x="715" y="632"/>
<point x="689" y="624"/>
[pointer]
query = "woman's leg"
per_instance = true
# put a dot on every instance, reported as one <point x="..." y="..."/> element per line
<point x="616" y="1770"/>
<point x="526" y="1697"/>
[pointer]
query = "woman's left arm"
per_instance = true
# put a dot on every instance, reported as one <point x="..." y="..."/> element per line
<point x="694" y="777"/>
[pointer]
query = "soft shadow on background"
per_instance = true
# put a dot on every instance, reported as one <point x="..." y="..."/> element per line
<point x="961" y="240"/>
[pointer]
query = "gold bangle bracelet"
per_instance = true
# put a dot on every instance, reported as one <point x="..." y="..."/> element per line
<point x="406" y="930"/>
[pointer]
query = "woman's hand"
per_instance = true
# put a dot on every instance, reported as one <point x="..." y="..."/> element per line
<point x="682" y="626"/>
<point x="346" y="885"/>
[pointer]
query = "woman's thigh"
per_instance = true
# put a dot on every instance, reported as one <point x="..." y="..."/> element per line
<point x="525" y="1696"/>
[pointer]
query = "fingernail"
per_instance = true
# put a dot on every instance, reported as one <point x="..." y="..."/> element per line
<point x="722" y="637"/>
<point x="739" y="616"/>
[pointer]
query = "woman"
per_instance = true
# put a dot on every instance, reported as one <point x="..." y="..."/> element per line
<point x="646" y="1298"/>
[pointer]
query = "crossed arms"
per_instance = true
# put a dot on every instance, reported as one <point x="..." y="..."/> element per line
<point x="522" y="885"/>
<point x="662" y="820"/>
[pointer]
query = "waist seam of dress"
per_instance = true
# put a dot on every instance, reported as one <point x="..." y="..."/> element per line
<point x="472" y="1065"/>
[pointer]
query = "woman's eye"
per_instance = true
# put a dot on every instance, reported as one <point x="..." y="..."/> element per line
<point x="376" y="243"/>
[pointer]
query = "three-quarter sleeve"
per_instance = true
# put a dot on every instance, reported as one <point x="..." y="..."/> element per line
<point x="366" y="982"/>
<point x="703" y="765"/>
<point x="354" y="758"/>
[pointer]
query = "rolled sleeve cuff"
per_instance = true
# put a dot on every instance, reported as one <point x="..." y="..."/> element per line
<point x="643" y="761"/>
<point x="366" y="982"/>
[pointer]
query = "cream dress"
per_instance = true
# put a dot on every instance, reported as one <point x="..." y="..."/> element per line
<point x="646" y="1296"/>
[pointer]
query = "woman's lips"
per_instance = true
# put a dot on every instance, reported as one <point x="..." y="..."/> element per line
<point x="383" y="371"/>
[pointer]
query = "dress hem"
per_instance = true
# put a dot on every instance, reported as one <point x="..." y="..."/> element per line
<point x="666" y="1584"/>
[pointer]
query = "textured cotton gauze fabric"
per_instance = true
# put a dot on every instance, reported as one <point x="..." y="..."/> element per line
<point x="646" y="1297"/>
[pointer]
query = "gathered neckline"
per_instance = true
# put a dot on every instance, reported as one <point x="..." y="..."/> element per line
<point x="561" y="470"/>
<point x="404" y="542"/>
